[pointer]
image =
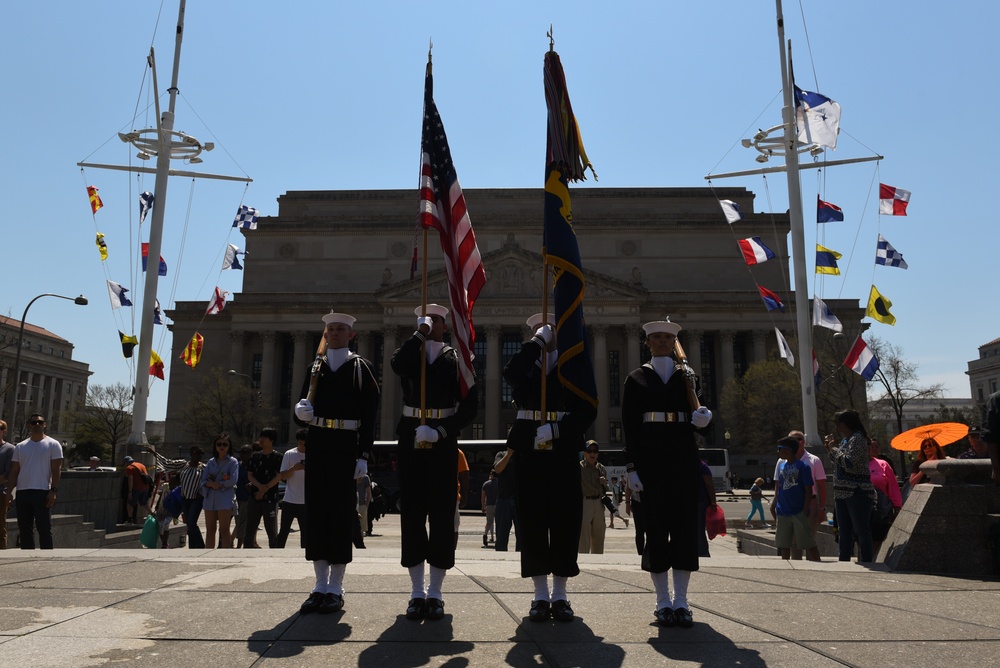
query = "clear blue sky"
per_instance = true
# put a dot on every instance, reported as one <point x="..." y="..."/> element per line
<point x="328" y="95"/>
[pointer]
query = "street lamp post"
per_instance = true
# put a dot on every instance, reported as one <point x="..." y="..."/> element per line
<point x="12" y="402"/>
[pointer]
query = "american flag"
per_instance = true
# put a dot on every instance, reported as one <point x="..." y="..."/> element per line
<point x="442" y="206"/>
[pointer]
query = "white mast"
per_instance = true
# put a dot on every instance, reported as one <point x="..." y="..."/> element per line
<point x="165" y="144"/>
<point x="789" y="145"/>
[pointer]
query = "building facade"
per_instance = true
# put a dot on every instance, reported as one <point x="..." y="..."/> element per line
<point x="984" y="373"/>
<point x="52" y="382"/>
<point x="647" y="253"/>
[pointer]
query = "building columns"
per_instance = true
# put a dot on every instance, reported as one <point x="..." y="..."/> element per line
<point x="236" y="339"/>
<point x="727" y="367"/>
<point x="267" y="367"/>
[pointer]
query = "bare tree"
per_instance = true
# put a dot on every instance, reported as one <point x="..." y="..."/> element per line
<point x="223" y="403"/>
<point x="897" y="382"/>
<point x="106" y="419"/>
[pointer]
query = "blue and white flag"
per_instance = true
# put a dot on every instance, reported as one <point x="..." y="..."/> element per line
<point x="246" y="217"/>
<point x="145" y="204"/>
<point x="231" y="261"/>
<point x="817" y="118"/>
<point x="824" y="317"/>
<point x="783" y="349"/>
<point x="888" y="255"/>
<point x="157" y="313"/>
<point x="118" y="295"/>
<point x="731" y="210"/>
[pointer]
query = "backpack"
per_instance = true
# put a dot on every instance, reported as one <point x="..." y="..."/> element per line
<point x="172" y="502"/>
<point x="146" y="479"/>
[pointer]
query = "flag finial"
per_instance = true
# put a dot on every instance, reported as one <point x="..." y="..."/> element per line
<point x="552" y="41"/>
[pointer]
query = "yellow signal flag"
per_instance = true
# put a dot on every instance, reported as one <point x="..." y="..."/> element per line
<point x="192" y="352"/>
<point x="878" y="307"/>
<point x="102" y="246"/>
<point x="155" y="365"/>
<point x="95" y="199"/>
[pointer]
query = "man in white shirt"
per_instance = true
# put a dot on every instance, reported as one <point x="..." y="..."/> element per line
<point x="6" y="456"/>
<point x="817" y="509"/>
<point x="293" y="506"/>
<point x="35" y="471"/>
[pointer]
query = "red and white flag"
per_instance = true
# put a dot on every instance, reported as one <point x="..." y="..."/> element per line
<point x="218" y="301"/>
<point x="892" y="200"/>
<point x="442" y="207"/>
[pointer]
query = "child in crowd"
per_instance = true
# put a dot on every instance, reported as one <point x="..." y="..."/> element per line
<point x="169" y="507"/>
<point x="794" y="485"/>
<point x="756" y="503"/>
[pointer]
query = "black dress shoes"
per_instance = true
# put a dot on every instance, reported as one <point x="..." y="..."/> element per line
<point x="416" y="608"/>
<point x="561" y="612"/>
<point x="683" y="617"/>
<point x="435" y="608"/>
<point x="665" y="617"/>
<point x="312" y="603"/>
<point x="539" y="611"/>
<point x="331" y="603"/>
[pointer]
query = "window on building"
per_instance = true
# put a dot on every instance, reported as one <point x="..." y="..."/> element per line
<point x="478" y="431"/>
<point x="617" y="436"/>
<point x="255" y="373"/>
<point x="740" y="361"/>
<point x="510" y="346"/>
<point x="479" y="349"/>
<point x="993" y="386"/>
<point x="707" y="375"/>
<point x="614" y="379"/>
<point x="981" y="398"/>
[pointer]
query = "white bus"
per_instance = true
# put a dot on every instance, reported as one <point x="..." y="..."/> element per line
<point x="717" y="460"/>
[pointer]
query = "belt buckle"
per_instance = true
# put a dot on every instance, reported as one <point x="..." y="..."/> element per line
<point x="543" y="447"/>
<point x="423" y="445"/>
<point x="670" y="417"/>
<point x="332" y="423"/>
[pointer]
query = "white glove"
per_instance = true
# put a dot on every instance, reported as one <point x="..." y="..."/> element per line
<point x="544" y="434"/>
<point x="427" y="434"/>
<point x="545" y="333"/>
<point x="361" y="468"/>
<point x="425" y="320"/>
<point x="304" y="411"/>
<point x="701" y="417"/>
<point x="633" y="481"/>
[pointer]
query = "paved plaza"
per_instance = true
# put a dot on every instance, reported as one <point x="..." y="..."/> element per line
<point x="224" y="608"/>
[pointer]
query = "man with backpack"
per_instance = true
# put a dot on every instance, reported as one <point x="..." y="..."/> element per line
<point x="139" y="484"/>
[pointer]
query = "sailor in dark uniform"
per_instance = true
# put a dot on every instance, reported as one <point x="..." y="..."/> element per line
<point x="428" y="457"/>
<point x="547" y="471"/>
<point x="662" y="452"/>
<point x="341" y="423"/>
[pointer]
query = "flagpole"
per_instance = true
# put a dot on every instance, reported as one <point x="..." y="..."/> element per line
<point x="545" y="321"/>
<point x="802" y="324"/>
<point x="165" y="128"/>
<point x="423" y="291"/>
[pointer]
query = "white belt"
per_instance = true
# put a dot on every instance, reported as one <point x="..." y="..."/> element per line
<point x="429" y="413"/>
<point x="537" y="416"/>
<point x="327" y="423"/>
<point x="658" y="416"/>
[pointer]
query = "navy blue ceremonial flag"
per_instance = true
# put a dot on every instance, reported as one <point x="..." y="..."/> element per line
<point x="565" y="160"/>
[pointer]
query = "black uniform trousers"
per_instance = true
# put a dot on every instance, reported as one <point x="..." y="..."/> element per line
<point x="428" y="492"/>
<point x="549" y="511"/>
<point x="331" y="495"/>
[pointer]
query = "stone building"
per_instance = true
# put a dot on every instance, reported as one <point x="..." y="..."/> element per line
<point x="52" y="381"/>
<point x="984" y="373"/>
<point x="647" y="253"/>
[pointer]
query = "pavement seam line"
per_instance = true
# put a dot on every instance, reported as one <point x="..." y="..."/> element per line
<point x="550" y="660"/>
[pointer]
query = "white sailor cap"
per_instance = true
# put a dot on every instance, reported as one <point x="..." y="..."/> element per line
<point x="535" y="321"/>
<point x="342" y="318"/>
<point x="432" y="309"/>
<point x="661" y="326"/>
